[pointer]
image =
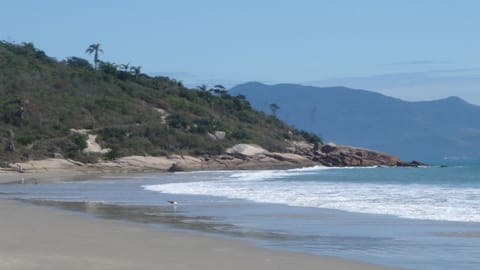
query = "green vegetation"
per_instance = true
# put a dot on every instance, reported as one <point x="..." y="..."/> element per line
<point x="42" y="98"/>
<point x="95" y="49"/>
<point x="274" y="108"/>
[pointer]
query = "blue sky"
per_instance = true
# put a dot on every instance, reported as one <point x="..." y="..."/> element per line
<point x="414" y="50"/>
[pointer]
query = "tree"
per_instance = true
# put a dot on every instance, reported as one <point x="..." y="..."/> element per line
<point x="219" y="90"/>
<point x="242" y="97"/>
<point x="95" y="49"/>
<point x="77" y="62"/>
<point x="107" y="67"/>
<point x="136" y="70"/>
<point x="202" y="88"/>
<point x="274" y="107"/>
<point x="125" y="67"/>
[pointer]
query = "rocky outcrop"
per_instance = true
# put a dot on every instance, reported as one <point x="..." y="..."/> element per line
<point x="51" y="164"/>
<point x="238" y="157"/>
<point x="341" y="155"/>
<point x="251" y="156"/>
<point x="333" y="155"/>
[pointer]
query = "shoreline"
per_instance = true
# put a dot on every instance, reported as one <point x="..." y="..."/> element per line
<point x="238" y="157"/>
<point x="37" y="237"/>
<point x="46" y="237"/>
<point x="54" y="170"/>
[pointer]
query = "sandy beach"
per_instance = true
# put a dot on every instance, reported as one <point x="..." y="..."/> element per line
<point x="40" y="238"/>
<point x="35" y="237"/>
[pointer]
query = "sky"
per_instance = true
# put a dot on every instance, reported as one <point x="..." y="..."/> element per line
<point x="414" y="50"/>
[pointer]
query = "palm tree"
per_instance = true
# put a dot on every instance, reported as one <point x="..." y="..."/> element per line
<point x="136" y="70"/>
<point x="94" y="48"/>
<point x="125" y="67"/>
<point x="202" y="88"/>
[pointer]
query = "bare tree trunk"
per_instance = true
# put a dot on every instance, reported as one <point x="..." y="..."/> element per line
<point x="11" y="139"/>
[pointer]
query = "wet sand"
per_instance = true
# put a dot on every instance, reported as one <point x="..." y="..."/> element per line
<point x="11" y="177"/>
<point x="35" y="237"/>
<point x="39" y="237"/>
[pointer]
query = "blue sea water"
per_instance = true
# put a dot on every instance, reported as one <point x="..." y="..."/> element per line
<point x="417" y="218"/>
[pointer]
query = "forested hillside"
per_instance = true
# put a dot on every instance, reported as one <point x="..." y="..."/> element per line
<point x="42" y="99"/>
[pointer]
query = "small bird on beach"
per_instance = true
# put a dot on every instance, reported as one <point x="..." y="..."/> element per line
<point x="172" y="202"/>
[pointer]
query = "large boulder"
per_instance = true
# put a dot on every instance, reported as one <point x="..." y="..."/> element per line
<point x="246" y="150"/>
<point x="220" y="135"/>
<point x="217" y="135"/>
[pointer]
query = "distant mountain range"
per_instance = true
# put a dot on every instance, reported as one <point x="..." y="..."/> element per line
<point x="428" y="130"/>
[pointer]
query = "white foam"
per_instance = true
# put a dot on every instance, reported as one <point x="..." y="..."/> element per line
<point x="310" y="169"/>
<point x="415" y="201"/>
<point x="322" y="168"/>
<point x="259" y="175"/>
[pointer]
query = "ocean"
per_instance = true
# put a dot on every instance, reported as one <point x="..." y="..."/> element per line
<point x="416" y="218"/>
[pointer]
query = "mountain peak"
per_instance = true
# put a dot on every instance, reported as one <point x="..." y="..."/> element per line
<point x="455" y="99"/>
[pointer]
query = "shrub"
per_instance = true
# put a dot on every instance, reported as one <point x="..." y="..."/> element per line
<point x="239" y="134"/>
<point x="176" y="120"/>
<point x="112" y="154"/>
<point x="80" y="63"/>
<point x="80" y="141"/>
<point x="25" y="139"/>
<point x="308" y="136"/>
<point x="108" y="68"/>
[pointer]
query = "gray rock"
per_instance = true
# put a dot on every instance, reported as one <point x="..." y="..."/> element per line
<point x="329" y="147"/>
<point x="341" y="155"/>
<point x="246" y="150"/>
<point x="220" y="135"/>
<point x="211" y="136"/>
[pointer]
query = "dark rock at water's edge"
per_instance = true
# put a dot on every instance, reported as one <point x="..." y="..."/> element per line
<point x="176" y="168"/>
<point x="413" y="163"/>
<point x="333" y="155"/>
